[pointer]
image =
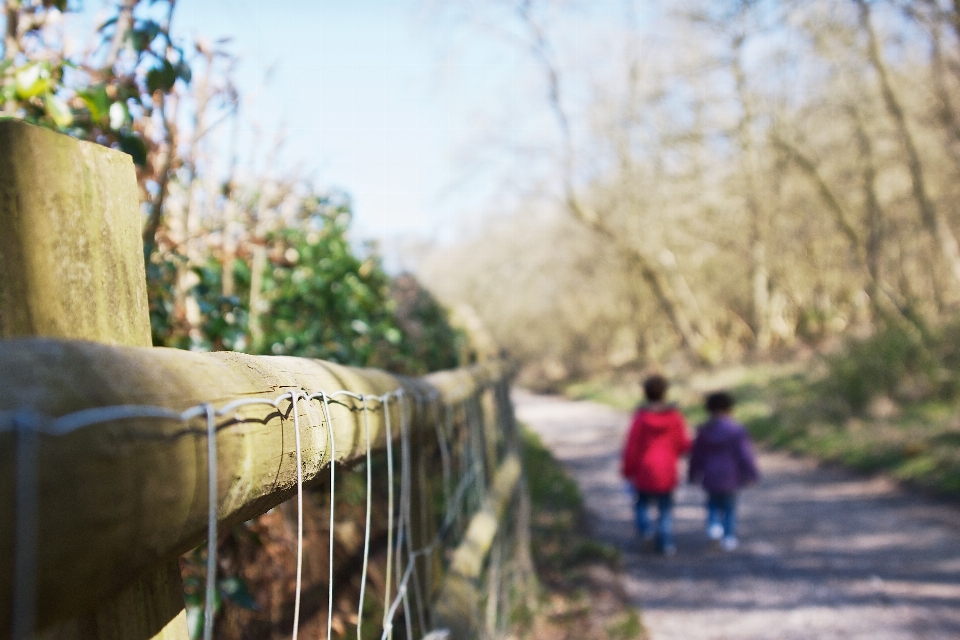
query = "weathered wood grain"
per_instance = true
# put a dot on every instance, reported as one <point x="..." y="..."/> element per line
<point x="71" y="254"/>
<point x="120" y="498"/>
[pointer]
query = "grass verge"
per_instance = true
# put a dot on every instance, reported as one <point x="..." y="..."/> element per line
<point x="579" y="593"/>
<point x="917" y="442"/>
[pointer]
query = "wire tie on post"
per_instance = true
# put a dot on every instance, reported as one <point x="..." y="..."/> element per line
<point x="294" y="395"/>
<point x="386" y="596"/>
<point x="366" y="534"/>
<point x="333" y="459"/>
<point x="211" y="593"/>
<point x="418" y="594"/>
<point x="405" y="536"/>
<point x="26" y="516"/>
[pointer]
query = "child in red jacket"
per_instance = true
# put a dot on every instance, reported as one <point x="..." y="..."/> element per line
<point x="657" y="438"/>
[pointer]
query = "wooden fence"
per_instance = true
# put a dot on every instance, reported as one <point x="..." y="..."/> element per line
<point x="105" y="481"/>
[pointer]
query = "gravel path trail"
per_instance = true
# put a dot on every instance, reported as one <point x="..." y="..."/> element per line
<point x="824" y="554"/>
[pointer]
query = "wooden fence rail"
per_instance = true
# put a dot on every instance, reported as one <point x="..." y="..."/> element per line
<point x="116" y="503"/>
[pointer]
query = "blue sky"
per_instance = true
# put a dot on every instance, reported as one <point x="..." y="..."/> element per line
<point x="429" y="122"/>
<point x="378" y="98"/>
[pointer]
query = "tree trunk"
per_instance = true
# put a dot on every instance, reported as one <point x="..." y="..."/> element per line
<point x="229" y="248"/>
<point x="955" y="17"/>
<point x="759" y="273"/>
<point x="690" y="339"/>
<point x="259" y="263"/>
<point x="945" y="110"/>
<point x="932" y="219"/>
<point x="11" y="47"/>
<point x="840" y="216"/>
<point x="874" y="214"/>
<point x="868" y="251"/>
<point x="11" y="40"/>
<point x="122" y="25"/>
<point x="155" y="216"/>
<point x="659" y="284"/>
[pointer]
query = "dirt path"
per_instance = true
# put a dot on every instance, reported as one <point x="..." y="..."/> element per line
<point x="823" y="555"/>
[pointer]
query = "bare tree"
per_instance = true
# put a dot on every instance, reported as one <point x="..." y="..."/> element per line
<point x="932" y="218"/>
<point x="590" y="217"/>
<point x="783" y="180"/>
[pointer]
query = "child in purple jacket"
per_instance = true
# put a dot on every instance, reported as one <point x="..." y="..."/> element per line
<point x="722" y="462"/>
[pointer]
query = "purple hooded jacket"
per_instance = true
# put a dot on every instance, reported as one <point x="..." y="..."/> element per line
<point x="722" y="459"/>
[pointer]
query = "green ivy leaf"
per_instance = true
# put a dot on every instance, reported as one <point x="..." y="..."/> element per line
<point x="143" y="35"/>
<point x="97" y="102"/>
<point x="58" y="110"/>
<point x="161" y="78"/>
<point x="184" y="72"/>
<point x="8" y="90"/>
<point x="32" y="79"/>
<point x="136" y="147"/>
<point x="236" y="590"/>
<point x="106" y="24"/>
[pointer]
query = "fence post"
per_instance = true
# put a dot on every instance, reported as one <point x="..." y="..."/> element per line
<point x="71" y="266"/>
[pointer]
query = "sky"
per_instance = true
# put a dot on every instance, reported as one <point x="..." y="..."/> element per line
<point x="377" y="97"/>
<point x="430" y="123"/>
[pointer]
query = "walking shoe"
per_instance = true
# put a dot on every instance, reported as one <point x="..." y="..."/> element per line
<point x="729" y="543"/>
<point x="715" y="531"/>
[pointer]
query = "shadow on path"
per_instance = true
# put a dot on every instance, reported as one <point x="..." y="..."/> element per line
<point x="823" y="555"/>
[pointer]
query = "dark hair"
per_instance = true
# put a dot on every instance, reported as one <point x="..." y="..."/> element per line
<point x="655" y="388"/>
<point x="719" y="401"/>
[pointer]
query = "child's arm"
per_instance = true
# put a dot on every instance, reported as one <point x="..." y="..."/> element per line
<point x="682" y="436"/>
<point x="747" y="459"/>
<point x="695" y="470"/>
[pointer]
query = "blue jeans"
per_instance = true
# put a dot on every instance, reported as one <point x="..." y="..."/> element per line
<point x="722" y="509"/>
<point x="664" y="530"/>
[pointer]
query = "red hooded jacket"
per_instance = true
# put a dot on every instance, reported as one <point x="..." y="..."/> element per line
<point x="658" y="436"/>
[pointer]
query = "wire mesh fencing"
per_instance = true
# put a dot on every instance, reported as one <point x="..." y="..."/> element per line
<point x="439" y="466"/>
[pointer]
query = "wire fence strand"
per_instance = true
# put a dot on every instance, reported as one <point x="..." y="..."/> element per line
<point x="459" y="440"/>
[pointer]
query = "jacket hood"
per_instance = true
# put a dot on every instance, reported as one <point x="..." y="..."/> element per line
<point x="719" y="430"/>
<point x="660" y="418"/>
